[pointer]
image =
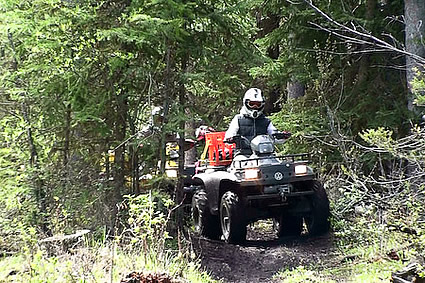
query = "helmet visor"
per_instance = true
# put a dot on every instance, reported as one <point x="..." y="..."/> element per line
<point x="254" y="104"/>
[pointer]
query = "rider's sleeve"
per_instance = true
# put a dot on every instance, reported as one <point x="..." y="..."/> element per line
<point x="233" y="128"/>
<point x="271" y="129"/>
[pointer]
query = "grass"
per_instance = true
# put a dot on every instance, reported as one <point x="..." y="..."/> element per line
<point x="364" y="258"/>
<point x="358" y="261"/>
<point x="364" y="271"/>
<point x="356" y="272"/>
<point x="97" y="264"/>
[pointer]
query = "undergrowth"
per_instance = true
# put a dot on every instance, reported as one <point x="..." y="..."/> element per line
<point x="105" y="263"/>
<point x="144" y="245"/>
<point x="377" y="197"/>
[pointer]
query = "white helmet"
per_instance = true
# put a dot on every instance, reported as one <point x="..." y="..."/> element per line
<point x="253" y="103"/>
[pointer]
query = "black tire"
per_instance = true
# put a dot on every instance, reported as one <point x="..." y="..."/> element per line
<point x="318" y="221"/>
<point x="287" y="225"/>
<point x="233" y="223"/>
<point x="205" y="224"/>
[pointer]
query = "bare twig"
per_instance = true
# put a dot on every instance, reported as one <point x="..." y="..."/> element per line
<point x="361" y="37"/>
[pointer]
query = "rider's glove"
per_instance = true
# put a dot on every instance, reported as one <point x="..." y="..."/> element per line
<point x="286" y="134"/>
<point x="282" y="135"/>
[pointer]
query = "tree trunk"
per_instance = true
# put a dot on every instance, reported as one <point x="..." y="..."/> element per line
<point x="364" y="64"/>
<point x="39" y="191"/>
<point x="167" y="92"/>
<point x="31" y="144"/>
<point x="134" y="158"/>
<point x="267" y="25"/>
<point x="414" y="16"/>
<point x="67" y="135"/>
<point x="295" y="89"/>
<point x="182" y="100"/>
<point x="119" y="162"/>
<point x="191" y="154"/>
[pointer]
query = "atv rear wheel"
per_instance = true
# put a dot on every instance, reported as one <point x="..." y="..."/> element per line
<point x="287" y="225"/>
<point x="205" y="224"/>
<point x="317" y="221"/>
<point x="233" y="224"/>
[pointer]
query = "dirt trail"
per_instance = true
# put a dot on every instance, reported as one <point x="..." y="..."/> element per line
<point x="262" y="256"/>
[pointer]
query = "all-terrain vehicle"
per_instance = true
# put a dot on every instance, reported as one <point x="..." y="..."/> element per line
<point x="231" y="191"/>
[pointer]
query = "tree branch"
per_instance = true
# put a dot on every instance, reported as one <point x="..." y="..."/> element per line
<point x="372" y="40"/>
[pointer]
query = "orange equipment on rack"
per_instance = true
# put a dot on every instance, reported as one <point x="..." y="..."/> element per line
<point x="219" y="153"/>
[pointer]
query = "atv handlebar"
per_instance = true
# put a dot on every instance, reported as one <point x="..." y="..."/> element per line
<point x="282" y="135"/>
<point x="238" y="138"/>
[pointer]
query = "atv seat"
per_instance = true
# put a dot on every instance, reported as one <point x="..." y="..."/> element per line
<point x="219" y="153"/>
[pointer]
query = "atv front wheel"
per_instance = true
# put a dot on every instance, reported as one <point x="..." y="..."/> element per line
<point x="233" y="224"/>
<point x="205" y="224"/>
<point x="287" y="225"/>
<point x="317" y="221"/>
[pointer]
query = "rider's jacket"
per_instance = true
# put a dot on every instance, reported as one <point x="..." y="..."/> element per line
<point x="244" y="125"/>
<point x="250" y="128"/>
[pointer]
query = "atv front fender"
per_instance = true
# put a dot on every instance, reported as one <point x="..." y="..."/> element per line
<point x="215" y="183"/>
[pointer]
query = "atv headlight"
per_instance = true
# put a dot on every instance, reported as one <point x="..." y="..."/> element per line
<point x="262" y="144"/>
<point x="265" y="148"/>
<point x="252" y="174"/>
<point x="300" y="170"/>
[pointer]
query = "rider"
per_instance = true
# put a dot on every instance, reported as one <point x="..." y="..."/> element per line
<point x="251" y="121"/>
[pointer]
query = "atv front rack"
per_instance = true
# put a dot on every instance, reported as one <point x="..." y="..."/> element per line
<point x="217" y="153"/>
<point x="295" y="157"/>
<point x="255" y="162"/>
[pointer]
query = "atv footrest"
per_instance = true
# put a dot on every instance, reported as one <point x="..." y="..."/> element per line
<point x="191" y="189"/>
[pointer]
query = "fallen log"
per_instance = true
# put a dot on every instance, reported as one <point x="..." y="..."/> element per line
<point x="408" y="274"/>
<point x="63" y="243"/>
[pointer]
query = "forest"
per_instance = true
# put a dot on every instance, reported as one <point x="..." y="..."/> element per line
<point x="93" y="92"/>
